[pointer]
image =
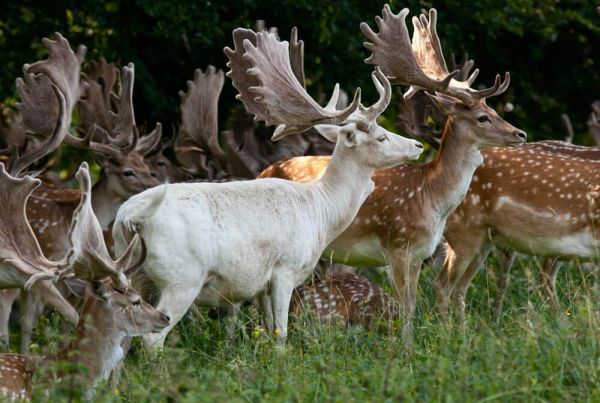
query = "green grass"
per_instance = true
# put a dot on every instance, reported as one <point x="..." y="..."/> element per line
<point x="531" y="355"/>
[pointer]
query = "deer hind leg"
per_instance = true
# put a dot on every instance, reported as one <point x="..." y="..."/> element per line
<point x="7" y="298"/>
<point x="506" y="260"/>
<point x="233" y="317"/>
<point x="405" y="278"/>
<point x="32" y="308"/>
<point x="459" y="290"/>
<point x="174" y="302"/>
<point x="461" y="249"/>
<point x="550" y="269"/>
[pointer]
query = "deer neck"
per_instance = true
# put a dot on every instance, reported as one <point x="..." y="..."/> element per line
<point x="97" y="343"/>
<point x="105" y="202"/>
<point x="345" y="185"/>
<point x="450" y="174"/>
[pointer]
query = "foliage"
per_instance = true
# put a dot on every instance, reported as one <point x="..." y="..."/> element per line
<point x="549" y="46"/>
<point x="531" y="355"/>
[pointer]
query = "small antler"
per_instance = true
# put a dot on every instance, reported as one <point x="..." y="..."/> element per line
<point x="48" y="93"/>
<point x="198" y="134"/>
<point x="421" y="63"/>
<point x="262" y="74"/>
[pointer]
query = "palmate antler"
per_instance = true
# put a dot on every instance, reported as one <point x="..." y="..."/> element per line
<point x="49" y="91"/>
<point x="262" y="73"/>
<point x="23" y="262"/>
<point x="421" y="63"/>
<point x="97" y="102"/>
<point x="198" y="138"/>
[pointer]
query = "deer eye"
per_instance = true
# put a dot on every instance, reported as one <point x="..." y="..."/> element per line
<point x="161" y="163"/>
<point x="483" y="118"/>
<point x="382" y="138"/>
<point x="137" y="302"/>
<point x="128" y="172"/>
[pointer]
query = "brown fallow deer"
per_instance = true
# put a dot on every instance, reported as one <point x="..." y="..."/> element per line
<point x="113" y="139"/>
<point x="347" y="297"/>
<point x="403" y="220"/>
<point x="48" y="94"/>
<point x="549" y="267"/>
<point x="541" y="200"/>
<point x="111" y="311"/>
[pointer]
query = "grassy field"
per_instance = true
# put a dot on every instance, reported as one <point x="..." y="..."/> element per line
<point x="531" y="355"/>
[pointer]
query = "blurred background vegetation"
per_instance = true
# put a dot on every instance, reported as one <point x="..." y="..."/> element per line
<point x="551" y="47"/>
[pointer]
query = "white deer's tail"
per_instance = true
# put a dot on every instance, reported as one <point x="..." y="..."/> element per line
<point x="134" y="212"/>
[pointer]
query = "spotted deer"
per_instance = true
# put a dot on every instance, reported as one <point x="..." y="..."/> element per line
<point x="403" y="220"/>
<point x="347" y="297"/>
<point x="113" y="139"/>
<point x="111" y="309"/>
<point x="550" y="266"/>
<point x="275" y="210"/>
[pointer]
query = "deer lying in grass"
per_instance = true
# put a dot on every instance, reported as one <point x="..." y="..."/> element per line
<point x="540" y="200"/>
<point x="112" y="310"/>
<point x="241" y="231"/>
<point x="402" y="222"/>
<point x="348" y="297"/>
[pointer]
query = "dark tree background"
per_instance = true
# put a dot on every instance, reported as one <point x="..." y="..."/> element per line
<point x="550" y="47"/>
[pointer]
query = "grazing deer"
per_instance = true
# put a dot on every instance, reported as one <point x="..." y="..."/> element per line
<point x="348" y="297"/>
<point x="114" y="141"/>
<point x="112" y="310"/>
<point x="402" y="222"/>
<point x="540" y="200"/>
<point x="241" y="231"/>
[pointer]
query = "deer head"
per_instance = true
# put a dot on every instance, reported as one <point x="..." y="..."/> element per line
<point x="421" y="65"/>
<point x="262" y="74"/>
<point x="111" y="133"/>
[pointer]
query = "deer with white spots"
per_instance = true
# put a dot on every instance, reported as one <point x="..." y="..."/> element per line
<point x="112" y="310"/>
<point x="544" y="184"/>
<point x="225" y="243"/>
<point x="403" y="220"/>
<point x="347" y="297"/>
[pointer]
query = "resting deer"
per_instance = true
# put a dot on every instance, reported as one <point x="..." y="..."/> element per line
<point x="402" y="222"/>
<point x="348" y="297"/>
<point x="241" y="231"/>
<point x="111" y="310"/>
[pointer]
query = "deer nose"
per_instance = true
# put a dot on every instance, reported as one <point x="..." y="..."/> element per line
<point x="521" y="135"/>
<point x="418" y="145"/>
<point x="166" y="317"/>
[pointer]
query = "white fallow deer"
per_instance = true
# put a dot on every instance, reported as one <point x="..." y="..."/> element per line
<point x="228" y="242"/>
<point x="111" y="311"/>
<point x="403" y="220"/>
<point x="506" y="256"/>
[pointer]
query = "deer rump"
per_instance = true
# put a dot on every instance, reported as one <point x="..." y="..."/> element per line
<point x="228" y="238"/>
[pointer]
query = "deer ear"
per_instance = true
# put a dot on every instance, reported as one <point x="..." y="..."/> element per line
<point x="350" y="138"/>
<point x="102" y="291"/>
<point x="447" y="105"/>
<point x="330" y="132"/>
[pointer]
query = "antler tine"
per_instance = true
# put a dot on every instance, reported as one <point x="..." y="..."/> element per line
<point x="384" y="88"/>
<point x="125" y="133"/>
<point x="89" y="258"/>
<point x="269" y="88"/>
<point x="464" y="68"/>
<point x="150" y="143"/>
<point x="297" y="56"/>
<point x="593" y="121"/>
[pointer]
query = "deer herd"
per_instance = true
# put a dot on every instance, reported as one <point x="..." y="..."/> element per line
<point x="336" y="185"/>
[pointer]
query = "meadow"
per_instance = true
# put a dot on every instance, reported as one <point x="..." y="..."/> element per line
<point x="532" y="354"/>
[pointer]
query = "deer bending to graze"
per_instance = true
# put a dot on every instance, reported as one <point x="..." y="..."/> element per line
<point x="402" y="222"/>
<point x="233" y="259"/>
<point x="112" y="309"/>
<point x="347" y="297"/>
